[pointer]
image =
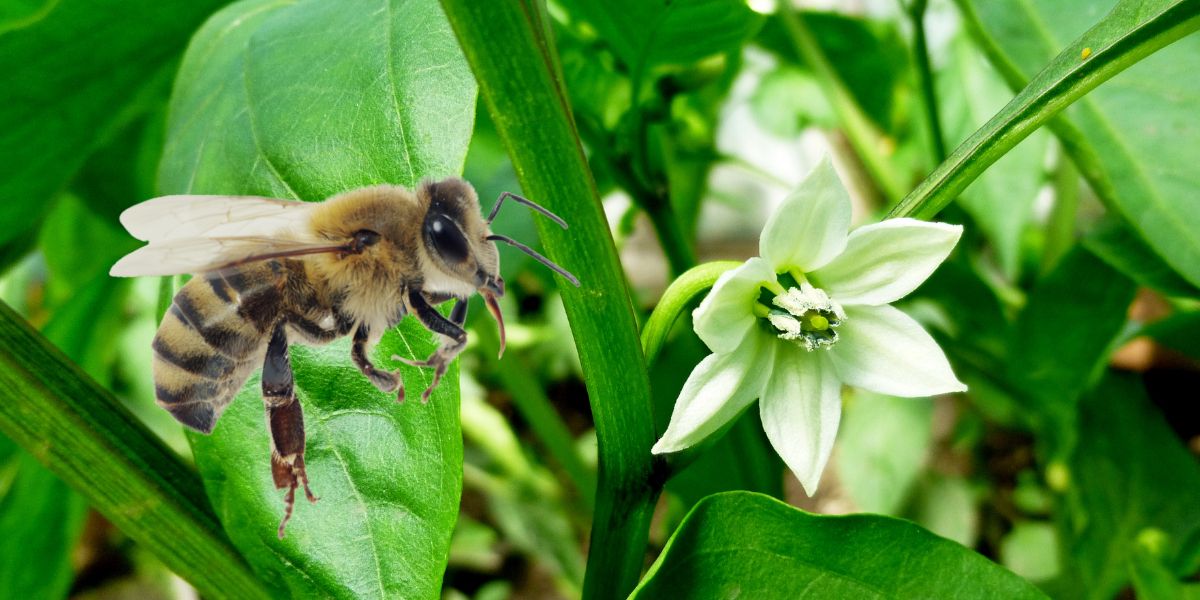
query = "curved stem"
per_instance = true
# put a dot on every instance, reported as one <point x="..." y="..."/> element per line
<point x="675" y="300"/>
<point x="916" y="13"/>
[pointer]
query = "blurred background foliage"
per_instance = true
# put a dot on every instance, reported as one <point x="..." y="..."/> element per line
<point x="1072" y="460"/>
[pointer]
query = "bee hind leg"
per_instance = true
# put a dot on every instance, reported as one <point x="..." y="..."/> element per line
<point x="285" y="421"/>
<point x="455" y="338"/>
<point x="386" y="382"/>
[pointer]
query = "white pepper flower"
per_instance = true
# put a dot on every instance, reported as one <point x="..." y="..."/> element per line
<point x="810" y="314"/>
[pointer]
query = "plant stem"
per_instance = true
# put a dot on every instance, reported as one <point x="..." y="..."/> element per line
<point x="514" y="61"/>
<point x="680" y="256"/>
<point x="675" y="300"/>
<point x="537" y="409"/>
<point x="867" y="140"/>
<point x="916" y="12"/>
<point x="86" y="437"/>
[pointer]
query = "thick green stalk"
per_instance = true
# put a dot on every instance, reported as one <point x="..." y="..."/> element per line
<point x="1105" y="50"/>
<point x="863" y="135"/>
<point x="514" y="61"/>
<point x="85" y="436"/>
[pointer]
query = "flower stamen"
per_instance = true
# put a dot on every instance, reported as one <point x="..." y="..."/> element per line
<point x="804" y="315"/>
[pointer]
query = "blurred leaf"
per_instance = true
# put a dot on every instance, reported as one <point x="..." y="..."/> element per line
<point x="946" y="506"/>
<point x="789" y="100"/>
<point x="307" y="99"/>
<point x="71" y="75"/>
<point x="1062" y="339"/>
<point x="1124" y="250"/>
<point x="646" y="33"/>
<point x="1152" y="580"/>
<point x="1001" y="199"/>
<point x="882" y="448"/>
<point x="1128" y="474"/>
<point x="740" y="544"/>
<point x="1180" y="331"/>
<point x="78" y="246"/>
<point x="869" y="55"/>
<point x="41" y="519"/>
<point x="1031" y="550"/>
<point x="121" y="173"/>
<point x="1135" y="138"/>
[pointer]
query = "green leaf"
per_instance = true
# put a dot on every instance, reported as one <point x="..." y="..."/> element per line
<point x="646" y="33"/>
<point x="388" y="477"/>
<point x="305" y="100"/>
<point x="1180" y="331"/>
<point x="882" y="448"/>
<point x="73" y="72"/>
<point x="1062" y="340"/>
<point x="740" y="544"/>
<point x="1121" y="247"/>
<point x="1129" y="476"/>
<point x="392" y="101"/>
<point x="1134" y="139"/>
<point x="40" y="517"/>
<point x="1133" y="30"/>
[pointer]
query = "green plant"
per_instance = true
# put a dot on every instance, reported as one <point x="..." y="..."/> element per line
<point x="1056" y="463"/>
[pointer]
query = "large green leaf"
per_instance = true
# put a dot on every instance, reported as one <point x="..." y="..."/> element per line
<point x="645" y="33"/>
<point x="73" y="71"/>
<point x="1135" y="138"/>
<point x="1129" y="476"/>
<point x="740" y="544"/>
<point x="1062" y="339"/>
<point x="307" y="99"/>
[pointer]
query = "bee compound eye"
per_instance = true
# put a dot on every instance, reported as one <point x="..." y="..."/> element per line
<point x="365" y="237"/>
<point x="446" y="238"/>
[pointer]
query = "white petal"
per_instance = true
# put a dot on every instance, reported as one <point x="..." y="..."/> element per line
<point x="885" y="261"/>
<point x="727" y="313"/>
<point x="882" y="349"/>
<point x="718" y="389"/>
<point x="809" y="228"/>
<point x="801" y="407"/>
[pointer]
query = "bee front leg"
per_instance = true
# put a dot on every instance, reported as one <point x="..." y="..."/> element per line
<point x="456" y="336"/>
<point x="385" y="381"/>
<point x="285" y="422"/>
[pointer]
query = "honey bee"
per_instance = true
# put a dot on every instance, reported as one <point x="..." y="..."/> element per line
<point x="274" y="272"/>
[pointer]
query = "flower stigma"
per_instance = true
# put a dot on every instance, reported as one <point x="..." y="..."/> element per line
<point x="805" y="316"/>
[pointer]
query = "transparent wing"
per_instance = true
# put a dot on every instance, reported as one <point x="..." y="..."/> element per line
<point x="197" y="255"/>
<point x="188" y="217"/>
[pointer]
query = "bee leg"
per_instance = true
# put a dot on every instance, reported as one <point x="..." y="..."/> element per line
<point x="456" y="337"/>
<point x="385" y="381"/>
<point x="285" y="422"/>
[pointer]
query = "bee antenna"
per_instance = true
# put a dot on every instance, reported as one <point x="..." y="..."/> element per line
<point x="526" y="202"/>
<point x="538" y="257"/>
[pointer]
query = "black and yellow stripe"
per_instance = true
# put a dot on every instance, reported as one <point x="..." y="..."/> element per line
<point x="211" y="339"/>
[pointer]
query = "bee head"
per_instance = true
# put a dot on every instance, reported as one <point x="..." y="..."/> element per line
<point x="455" y="236"/>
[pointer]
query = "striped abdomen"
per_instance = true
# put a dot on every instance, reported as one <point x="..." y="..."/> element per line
<point x="212" y="338"/>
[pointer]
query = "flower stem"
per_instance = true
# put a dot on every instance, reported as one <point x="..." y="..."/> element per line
<point x="866" y="138"/>
<point x="1060" y="228"/>
<point x="916" y="12"/>
<point x="677" y="299"/>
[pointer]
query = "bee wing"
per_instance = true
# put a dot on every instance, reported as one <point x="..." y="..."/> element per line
<point x="187" y="217"/>
<point x="197" y="255"/>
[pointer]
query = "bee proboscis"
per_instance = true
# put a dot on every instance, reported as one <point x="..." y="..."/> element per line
<point x="274" y="272"/>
